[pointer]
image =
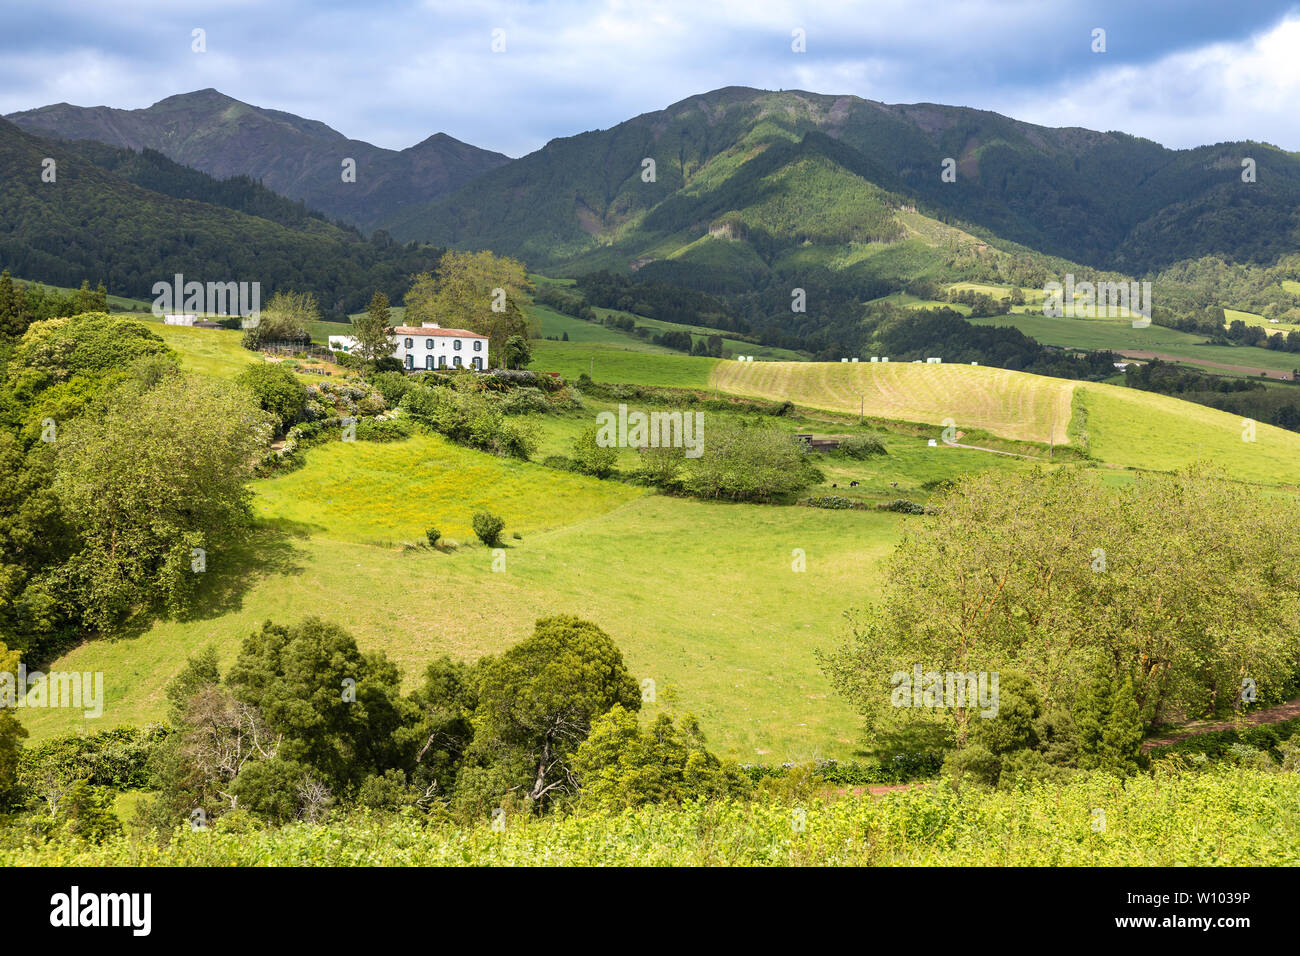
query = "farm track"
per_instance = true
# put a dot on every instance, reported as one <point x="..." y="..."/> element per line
<point x="1269" y="715"/>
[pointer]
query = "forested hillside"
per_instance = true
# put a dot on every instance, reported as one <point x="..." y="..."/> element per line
<point x="99" y="224"/>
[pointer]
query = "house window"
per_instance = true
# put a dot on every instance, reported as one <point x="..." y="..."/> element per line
<point x="478" y="362"/>
<point x="410" y="362"/>
<point x="455" y="361"/>
<point x="442" y="361"/>
<point x="408" y="343"/>
<point x="428" y="362"/>
<point x="428" y="343"/>
<point x="456" y="345"/>
<point x="478" y="345"/>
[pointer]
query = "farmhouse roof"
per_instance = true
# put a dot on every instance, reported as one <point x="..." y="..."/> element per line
<point x="427" y="330"/>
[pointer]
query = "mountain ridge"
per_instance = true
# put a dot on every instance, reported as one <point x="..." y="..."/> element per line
<point x="297" y="157"/>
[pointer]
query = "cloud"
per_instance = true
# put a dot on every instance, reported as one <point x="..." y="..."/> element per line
<point x="1218" y="92"/>
<point x="395" y="71"/>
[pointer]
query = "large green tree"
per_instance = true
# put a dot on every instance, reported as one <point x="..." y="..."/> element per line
<point x="536" y="705"/>
<point x="151" y="482"/>
<point x="373" y="328"/>
<point x="1178" y="587"/>
<point x="336" y="710"/>
<point x="478" y="291"/>
<point x="12" y="734"/>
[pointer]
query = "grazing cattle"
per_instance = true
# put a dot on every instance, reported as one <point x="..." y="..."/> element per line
<point x="853" y="484"/>
<point x="833" y="485"/>
<point x="893" y="484"/>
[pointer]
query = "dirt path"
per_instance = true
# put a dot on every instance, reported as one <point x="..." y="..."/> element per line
<point x="1269" y="715"/>
<point x="1165" y="357"/>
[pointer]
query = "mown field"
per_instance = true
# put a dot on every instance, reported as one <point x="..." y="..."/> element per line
<point x="1146" y="430"/>
<point x="1124" y="427"/>
<point x="1238" y="818"/>
<point x="1010" y="404"/>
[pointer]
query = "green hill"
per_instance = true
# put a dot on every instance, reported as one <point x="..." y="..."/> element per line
<point x="1108" y="200"/>
<point x="95" y="223"/>
<point x="299" y="158"/>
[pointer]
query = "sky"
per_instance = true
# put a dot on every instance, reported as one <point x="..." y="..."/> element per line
<point x="393" y="72"/>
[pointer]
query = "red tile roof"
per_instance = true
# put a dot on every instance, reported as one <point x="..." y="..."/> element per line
<point x="420" y="330"/>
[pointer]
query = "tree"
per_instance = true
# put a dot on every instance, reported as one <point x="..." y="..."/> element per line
<point x="150" y="482"/>
<point x="478" y="291"/>
<point x="1109" y="726"/>
<point x="517" y="352"/>
<point x="536" y="705"/>
<point x="445" y="704"/>
<point x="620" y="765"/>
<point x="286" y="318"/>
<point x="1179" y="583"/>
<point x="12" y="325"/>
<point x="12" y="734"/>
<point x="488" y="527"/>
<point x="592" y="457"/>
<point x="335" y="710"/>
<point x="373" y="328"/>
<point x="54" y="351"/>
<point x="277" y="391"/>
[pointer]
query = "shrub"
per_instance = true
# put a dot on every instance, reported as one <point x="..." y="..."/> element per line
<point x="660" y="466"/>
<point x="860" y="446"/>
<point x="524" y="401"/>
<point x="488" y="527"/>
<point x="384" y="429"/>
<point x="470" y="418"/>
<point x="903" y="506"/>
<point x="276" y="390"/>
<point x="433" y="534"/>
<point x="749" y="463"/>
<point x="833" y="502"/>
<point x="591" y="457"/>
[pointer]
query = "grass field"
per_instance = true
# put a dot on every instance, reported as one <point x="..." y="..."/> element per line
<point x="701" y="597"/>
<point x="1119" y="335"/>
<point x="390" y="493"/>
<point x="1250" y="318"/>
<point x="1009" y="404"/>
<point x="1147" y="430"/>
<point x="607" y="362"/>
<point x="1125" y="427"/>
<point x="215" y="352"/>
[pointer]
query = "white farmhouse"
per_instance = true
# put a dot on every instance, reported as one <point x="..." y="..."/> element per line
<point x="429" y="346"/>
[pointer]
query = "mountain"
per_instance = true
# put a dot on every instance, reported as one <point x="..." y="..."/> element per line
<point x="779" y="171"/>
<point x="296" y="157"/>
<point x="95" y="221"/>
